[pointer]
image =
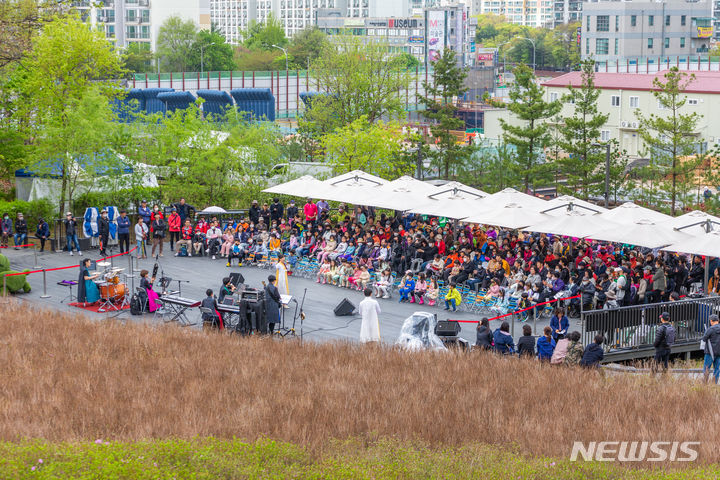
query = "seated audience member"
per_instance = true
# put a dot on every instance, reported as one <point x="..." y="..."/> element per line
<point x="593" y="354"/>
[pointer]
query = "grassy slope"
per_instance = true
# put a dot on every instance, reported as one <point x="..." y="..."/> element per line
<point x="231" y="459"/>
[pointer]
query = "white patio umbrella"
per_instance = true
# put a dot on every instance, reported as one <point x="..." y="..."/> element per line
<point x="213" y="209"/>
<point x="630" y="213"/>
<point x="571" y="224"/>
<point x="707" y="244"/>
<point x="560" y="204"/>
<point x="510" y="195"/>
<point x="644" y="233"/>
<point x="401" y="194"/>
<point x="452" y="200"/>
<point x="511" y="215"/>
<point x="694" y="223"/>
<point x="300" y="187"/>
<point x="356" y="187"/>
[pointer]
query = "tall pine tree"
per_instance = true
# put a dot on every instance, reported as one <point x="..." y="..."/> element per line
<point x="530" y="134"/>
<point x="448" y="83"/>
<point x="579" y="131"/>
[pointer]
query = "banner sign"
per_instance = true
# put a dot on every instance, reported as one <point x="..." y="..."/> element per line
<point x="435" y="34"/>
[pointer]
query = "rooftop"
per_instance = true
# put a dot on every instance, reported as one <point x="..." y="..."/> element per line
<point x="704" y="82"/>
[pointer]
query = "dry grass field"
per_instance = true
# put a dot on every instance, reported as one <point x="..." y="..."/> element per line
<point x="68" y="379"/>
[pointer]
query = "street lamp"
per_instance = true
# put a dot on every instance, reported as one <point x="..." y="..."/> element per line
<point x="533" y="45"/>
<point x="607" y="169"/>
<point x="202" y="55"/>
<point x="286" y="57"/>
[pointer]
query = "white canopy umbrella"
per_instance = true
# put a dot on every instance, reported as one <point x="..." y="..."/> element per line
<point x="555" y="206"/>
<point x="452" y="200"/>
<point x="304" y="186"/>
<point x="356" y="187"/>
<point x="401" y="194"/>
<point x="644" y="233"/>
<point x="707" y="244"/>
<point x="511" y="215"/>
<point x="572" y="224"/>
<point x="694" y="223"/>
<point x="213" y="209"/>
<point x="510" y="195"/>
<point x="628" y="213"/>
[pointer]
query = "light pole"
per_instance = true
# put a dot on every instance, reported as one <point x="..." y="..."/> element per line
<point x="607" y="169"/>
<point x="533" y="45"/>
<point x="202" y="55"/>
<point x="286" y="57"/>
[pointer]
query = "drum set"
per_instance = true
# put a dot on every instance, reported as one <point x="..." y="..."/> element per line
<point x="114" y="294"/>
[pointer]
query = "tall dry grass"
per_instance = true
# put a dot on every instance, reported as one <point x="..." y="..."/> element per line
<point x="68" y="378"/>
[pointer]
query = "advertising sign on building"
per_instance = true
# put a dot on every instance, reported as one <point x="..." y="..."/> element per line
<point x="579" y="35"/>
<point x="416" y="39"/>
<point x="704" y="32"/>
<point x="402" y="23"/>
<point x="435" y="33"/>
<point x="377" y="23"/>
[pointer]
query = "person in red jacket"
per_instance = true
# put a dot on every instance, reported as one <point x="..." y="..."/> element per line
<point x="174" y="222"/>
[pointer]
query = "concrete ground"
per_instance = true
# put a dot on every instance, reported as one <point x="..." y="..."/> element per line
<point x="201" y="273"/>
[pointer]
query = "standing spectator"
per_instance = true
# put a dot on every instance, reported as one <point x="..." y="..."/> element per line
<point x="322" y="206"/>
<point x="42" y="232"/>
<point x="20" y="231"/>
<point x="103" y="232"/>
<point x="254" y="212"/>
<point x="158" y="228"/>
<point x="712" y="349"/>
<point x="123" y="229"/>
<point x="71" y="233"/>
<point x="545" y="345"/>
<point x="559" y="323"/>
<point x="664" y="340"/>
<point x="503" y="340"/>
<point x="526" y="343"/>
<point x="593" y="354"/>
<point x="183" y="209"/>
<point x="6" y="228"/>
<point x="311" y="212"/>
<point x="276" y="211"/>
<point x="292" y="210"/>
<point x="144" y="212"/>
<point x="659" y="282"/>
<point x="174" y="222"/>
<point x="265" y="215"/>
<point x="141" y="233"/>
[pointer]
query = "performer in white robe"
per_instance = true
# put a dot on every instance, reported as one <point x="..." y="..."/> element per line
<point x="369" y="310"/>
<point x="282" y="276"/>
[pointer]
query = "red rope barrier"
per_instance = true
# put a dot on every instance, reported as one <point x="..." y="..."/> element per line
<point x="22" y="246"/>
<point x="69" y="266"/>
<point x="518" y="311"/>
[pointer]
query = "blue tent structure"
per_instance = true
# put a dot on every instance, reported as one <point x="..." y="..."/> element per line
<point x="176" y="100"/>
<point x="255" y="103"/>
<point x="217" y="102"/>
<point x="128" y="107"/>
<point x="152" y="103"/>
<point x="307" y="98"/>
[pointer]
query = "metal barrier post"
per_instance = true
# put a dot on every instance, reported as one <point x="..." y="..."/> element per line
<point x="35" y="256"/>
<point x="512" y="326"/>
<point x="130" y="265"/>
<point x="45" y="295"/>
<point x="534" y="320"/>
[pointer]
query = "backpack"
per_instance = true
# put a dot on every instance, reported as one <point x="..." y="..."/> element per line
<point x="136" y="306"/>
<point x="183" y="251"/>
<point x="669" y="335"/>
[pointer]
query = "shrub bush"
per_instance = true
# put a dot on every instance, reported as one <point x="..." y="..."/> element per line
<point x="31" y="210"/>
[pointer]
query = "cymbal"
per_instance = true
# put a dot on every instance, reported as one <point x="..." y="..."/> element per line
<point x="117" y="270"/>
<point x="103" y="264"/>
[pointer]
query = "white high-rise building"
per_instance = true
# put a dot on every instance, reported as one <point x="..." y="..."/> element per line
<point x="232" y="17"/>
<point x="531" y="13"/>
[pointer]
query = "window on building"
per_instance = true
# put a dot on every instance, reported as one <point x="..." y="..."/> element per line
<point x="692" y="101"/>
<point x="667" y="20"/>
<point x="615" y="100"/>
<point x="634" y="102"/>
<point x="616" y="46"/>
<point x="660" y="105"/>
<point x="604" y="135"/>
<point x="651" y="20"/>
<point x="587" y="46"/>
<point x="683" y="19"/>
<point x="650" y="42"/>
<point x="601" y="46"/>
<point x="667" y="42"/>
<point x="145" y="16"/>
<point x="553" y="96"/>
<point x="682" y="42"/>
<point x="587" y="24"/>
<point x="633" y="20"/>
<point x="602" y="24"/>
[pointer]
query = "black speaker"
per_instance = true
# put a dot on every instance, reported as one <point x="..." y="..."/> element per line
<point x="447" y="328"/>
<point x="344" y="308"/>
<point x="237" y="279"/>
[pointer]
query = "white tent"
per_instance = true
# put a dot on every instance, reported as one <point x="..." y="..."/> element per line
<point x="452" y="200"/>
<point x="694" y="223"/>
<point x="630" y="213"/>
<point x="304" y="186"/>
<point x="707" y="244"/>
<point x="356" y="187"/>
<point x="511" y="215"/>
<point x="644" y="233"/>
<point x="571" y="224"/>
<point x="400" y="194"/>
<point x="510" y="195"/>
<point x="553" y="207"/>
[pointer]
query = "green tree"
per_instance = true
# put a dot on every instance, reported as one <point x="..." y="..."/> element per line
<point x="305" y="47"/>
<point x="579" y="132"/>
<point x="407" y="61"/>
<point x="530" y="135"/>
<point x="262" y="36"/>
<point x="69" y="82"/>
<point x="258" y="60"/>
<point x="20" y="20"/>
<point x="372" y="147"/>
<point x="176" y="44"/>
<point x="447" y="85"/>
<point x="672" y="139"/>
<point x="216" y="54"/>
<point x="138" y="58"/>
<point x="360" y="79"/>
